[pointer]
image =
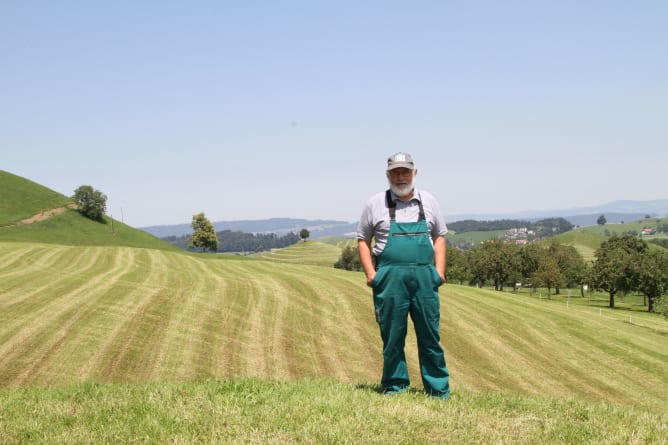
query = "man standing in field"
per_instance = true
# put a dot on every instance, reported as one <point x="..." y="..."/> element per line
<point x="409" y="233"/>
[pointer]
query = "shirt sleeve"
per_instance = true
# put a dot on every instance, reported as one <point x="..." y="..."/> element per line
<point x="365" y="225"/>
<point x="438" y="227"/>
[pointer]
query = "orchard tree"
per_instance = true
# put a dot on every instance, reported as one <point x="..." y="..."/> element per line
<point x="548" y="275"/>
<point x="92" y="203"/>
<point x="496" y="260"/>
<point x="662" y="306"/>
<point x="570" y="262"/>
<point x="457" y="267"/>
<point x="617" y="265"/>
<point x="653" y="276"/>
<point x="204" y="236"/>
<point x="530" y="256"/>
<point x="349" y="259"/>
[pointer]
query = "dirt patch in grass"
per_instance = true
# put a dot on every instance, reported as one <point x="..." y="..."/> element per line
<point x="47" y="214"/>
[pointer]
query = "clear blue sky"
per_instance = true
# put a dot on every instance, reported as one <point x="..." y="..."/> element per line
<point x="258" y="109"/>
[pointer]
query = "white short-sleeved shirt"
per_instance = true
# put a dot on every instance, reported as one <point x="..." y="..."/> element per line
<point x="375" y="219"/>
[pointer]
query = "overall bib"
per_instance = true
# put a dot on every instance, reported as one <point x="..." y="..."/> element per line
<point x="407" y="282"/>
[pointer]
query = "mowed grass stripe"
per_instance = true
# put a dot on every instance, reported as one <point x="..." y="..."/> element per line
<point x="128" y="352"/>
<point x="279" y="328"/>
<point x="305" y="252"/>
<point x="193" y="327"/>
<point x="36" y="345"/>
<point x="512" y="344"/>
<point x="28" y="297"/>
<point x="516" y="349"/>
<point x="133" y="315"/>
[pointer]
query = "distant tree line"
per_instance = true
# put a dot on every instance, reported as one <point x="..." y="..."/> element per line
<point x="237" y="241"/>
<point x="543" y="227"/>
<point x="623" y="264"/>
<point x="470" y="225"/>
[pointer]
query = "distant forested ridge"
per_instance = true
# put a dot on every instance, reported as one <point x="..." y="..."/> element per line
<point x="471" y="225"/>
<point x="237" y="241"/>
<point x="544" y="227"/>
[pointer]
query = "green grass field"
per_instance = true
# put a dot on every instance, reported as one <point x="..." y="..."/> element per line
<point x="627" y="226"/>
<point x="119" y="316"/>
<point x="103" y="341"/>
<point x="308" y="411"/>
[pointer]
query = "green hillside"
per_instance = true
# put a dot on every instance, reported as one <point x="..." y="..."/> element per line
<point x="73" y="314"/>
<point x="584" y="242"/>
<point x="629" y="226"/>
<point x="21" y="198"/>
<point x="308" y="252"/>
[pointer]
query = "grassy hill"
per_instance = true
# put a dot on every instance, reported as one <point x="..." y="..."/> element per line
<point x="133" y="315"/>
<point x="305" y="252"/>
<point x="21" y="199"/>
<point x="629" y="226"/>
<point x="584" y="242"/>
<point x="119" y="316"/>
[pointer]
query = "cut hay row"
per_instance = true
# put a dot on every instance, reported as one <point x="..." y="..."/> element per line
<point x="124" y="314"/>
<point x="117" y="314"/>
<point x="310" y="252"/>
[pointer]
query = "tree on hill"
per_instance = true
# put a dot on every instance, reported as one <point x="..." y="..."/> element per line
<point x="494" y="260"/>
<point x="570" y="263"/>
<point x="548" y="275"/>
<point x="617" y="265"/>
<point x="304" y="234"/>
<point x="529" y="260"/>
<point x="653" y="276"/>
<point x="601" y="220"/>
<point x="92" y="203"/>
<point x="457" y="267"/>
<point x="349" y="259"/>
<point x="552" y="226"/>
<point x="204" y="235"/>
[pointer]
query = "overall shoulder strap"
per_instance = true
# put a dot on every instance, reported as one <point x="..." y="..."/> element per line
<point x="422" y="217"/>
<point x="391" y="205"/>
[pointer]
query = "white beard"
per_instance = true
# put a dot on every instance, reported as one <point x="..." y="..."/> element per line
<point x="403" y="190"/>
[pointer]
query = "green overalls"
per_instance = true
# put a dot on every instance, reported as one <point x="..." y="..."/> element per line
<point x="407" y="282"/>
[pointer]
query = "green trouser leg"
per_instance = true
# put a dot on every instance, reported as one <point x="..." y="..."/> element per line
<point x="400" y="290"/>
<point x="425" y="313"/>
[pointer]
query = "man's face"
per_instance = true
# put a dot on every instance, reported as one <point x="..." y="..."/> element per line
<point x="401" y="181"/>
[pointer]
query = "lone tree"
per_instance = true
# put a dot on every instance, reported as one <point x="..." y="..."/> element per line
<point x="617" y="265"/>
<point x="204" y="236"/>
<point x="349" y="259"/>
<point x="548" y="275"/>
<point x="601" y="220"/>
<point x="304" y="233"/>
<point x="92" y="203"/>
<point x="653" y="279"/>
